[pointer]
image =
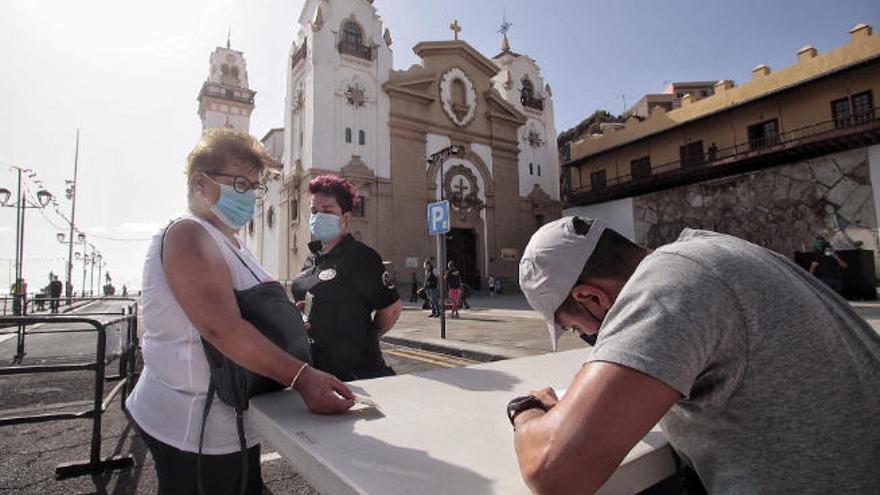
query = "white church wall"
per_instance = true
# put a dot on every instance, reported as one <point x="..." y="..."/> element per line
<point x="618" y="214"/>
<point x="542" y="123"/>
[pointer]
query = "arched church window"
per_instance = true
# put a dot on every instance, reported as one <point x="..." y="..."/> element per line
<point x="362" y="137"/>
<point x="531" y="169"/>
<point x="348" y="134"/>
<point x="539" y="170"/>
<point x="351" y="33"/>
<point x="528" y="91"/>
<point x="459" y="99"/>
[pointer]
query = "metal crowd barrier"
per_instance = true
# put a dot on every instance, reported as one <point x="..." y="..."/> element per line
<point x="128" y="352"/>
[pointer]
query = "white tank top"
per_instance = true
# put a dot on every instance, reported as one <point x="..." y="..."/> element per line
<point x="169" y="398"/>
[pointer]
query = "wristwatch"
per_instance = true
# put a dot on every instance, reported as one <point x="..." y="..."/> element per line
<point x="522" y="404"/>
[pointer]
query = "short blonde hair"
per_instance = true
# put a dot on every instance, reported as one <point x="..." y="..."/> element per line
<point x="219" y="147"/>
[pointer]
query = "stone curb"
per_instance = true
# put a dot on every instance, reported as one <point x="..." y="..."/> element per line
<point x="467" y="350"/>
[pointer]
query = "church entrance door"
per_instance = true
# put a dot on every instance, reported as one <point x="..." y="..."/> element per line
<point x="461" y="247"/>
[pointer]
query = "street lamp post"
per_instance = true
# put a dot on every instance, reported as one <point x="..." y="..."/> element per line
<point x="440" y="158"/>
<point x="80" y="240"/>
<point x="71" y="195"/>
<point x="100" y="287"/>
<point x="21" y="205"/>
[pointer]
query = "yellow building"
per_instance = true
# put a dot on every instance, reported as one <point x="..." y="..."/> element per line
<point x="776" y="160"/>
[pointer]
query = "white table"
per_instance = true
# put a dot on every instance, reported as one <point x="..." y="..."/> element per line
<point x="440" y="432"/>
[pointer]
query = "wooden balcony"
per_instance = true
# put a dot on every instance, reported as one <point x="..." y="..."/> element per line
<point x="238" y="95"/>
<point x="832" y="136"/>
<point x="300" y="54"/>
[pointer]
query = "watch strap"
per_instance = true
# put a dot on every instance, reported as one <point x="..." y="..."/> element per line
<point x="522" y="404"/>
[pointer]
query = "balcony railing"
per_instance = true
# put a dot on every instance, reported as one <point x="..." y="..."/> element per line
<point x="237" y="95"/>
<point x="300" y="54"/>
<point x="356" y="50"/>
<point x="840" y="134"/>
<point x="531" y="102"/>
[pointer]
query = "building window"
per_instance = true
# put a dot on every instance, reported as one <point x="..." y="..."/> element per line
<point x="840" y="112"/>
<point x="640" y="168"/>
<point x="598" y="180"/>
<point x="348" y="134"/>
<point x="691" y="155"/>
<point x="539" y="170"/>
<point x="764" y="134"/>
<point x="351" y="34"/>
<point x="300" y="139"/>
<point x="863" y="107"/>
<point x="360" y="209"/>
<point x="294" y="210"/>
<point x="270" y="218"/>
<point x="362" y="137"/>
<point x="531" y="169"/>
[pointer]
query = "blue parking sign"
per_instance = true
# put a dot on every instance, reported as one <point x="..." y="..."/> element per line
<point x="438" y="217"/>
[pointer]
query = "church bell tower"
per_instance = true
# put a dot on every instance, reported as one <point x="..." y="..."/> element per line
<point x="225" y="99"/>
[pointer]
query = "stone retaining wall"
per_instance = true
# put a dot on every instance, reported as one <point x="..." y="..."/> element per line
<point x="782" y="208"/>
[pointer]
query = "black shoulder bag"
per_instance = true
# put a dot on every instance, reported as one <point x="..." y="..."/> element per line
<point x="267" y="308"/>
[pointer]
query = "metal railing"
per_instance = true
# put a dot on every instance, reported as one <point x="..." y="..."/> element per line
<point x="103" y="324"/>
<point x="355" y="50"/>
<point x="532" y="102"/>
<point x="751" y="148"/>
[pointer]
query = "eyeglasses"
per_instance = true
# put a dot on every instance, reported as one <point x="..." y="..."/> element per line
<point x="243" y="184"/>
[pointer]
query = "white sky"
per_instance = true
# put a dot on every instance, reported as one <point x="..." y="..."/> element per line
<point x="127" y="73"/>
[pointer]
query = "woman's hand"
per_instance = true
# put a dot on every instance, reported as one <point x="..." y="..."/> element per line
<point x="323" y="393"/>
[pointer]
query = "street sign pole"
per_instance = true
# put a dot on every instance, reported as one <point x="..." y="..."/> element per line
<point x="439" y="158"/>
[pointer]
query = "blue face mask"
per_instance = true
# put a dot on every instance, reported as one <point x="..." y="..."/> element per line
<point x="234" y="209"/>
<point x="324" y="226"/>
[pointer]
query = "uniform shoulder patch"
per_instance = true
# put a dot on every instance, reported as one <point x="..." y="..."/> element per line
<point x="387" y="281"/>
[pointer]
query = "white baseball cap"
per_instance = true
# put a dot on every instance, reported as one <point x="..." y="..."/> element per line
<point x="552" y="263"/>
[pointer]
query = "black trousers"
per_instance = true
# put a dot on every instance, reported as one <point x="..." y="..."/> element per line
<point x="221" y="474"/>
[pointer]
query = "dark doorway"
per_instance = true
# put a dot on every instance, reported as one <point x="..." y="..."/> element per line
<point x="461" y="247"/>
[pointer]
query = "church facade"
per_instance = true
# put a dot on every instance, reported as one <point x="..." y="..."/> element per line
<point x="349" y="113"/>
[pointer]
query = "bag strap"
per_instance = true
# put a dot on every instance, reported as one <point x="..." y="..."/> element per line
<point x="162" y="251"/>
<point x="242" y="444"/>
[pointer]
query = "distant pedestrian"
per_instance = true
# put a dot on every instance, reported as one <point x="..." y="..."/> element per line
<point x="827" y="266"/>
<point x="55" y="289"/>
<point x="124" y="291"/>
<point x="497" y="285"/>
<point x="453" y="283"/>
<point x="466" y="291"/>
<point x="413" y="288"/>
<point x="490" y="283"/>
<point x="431" y="289"/>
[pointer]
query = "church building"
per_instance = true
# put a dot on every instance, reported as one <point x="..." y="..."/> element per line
<point x="349" y="113"/>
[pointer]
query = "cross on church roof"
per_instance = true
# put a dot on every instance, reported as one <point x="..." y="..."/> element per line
<point x="456" y="28"/>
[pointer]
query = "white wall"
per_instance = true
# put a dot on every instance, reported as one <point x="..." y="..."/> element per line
<point x="616" y="214"/>
<point x="874" y="167"/>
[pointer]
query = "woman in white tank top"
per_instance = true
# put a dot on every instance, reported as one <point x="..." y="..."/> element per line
<point x="188" y="295"/>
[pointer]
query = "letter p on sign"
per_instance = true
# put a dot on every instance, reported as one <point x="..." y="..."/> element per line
<point x="438" y="217"/>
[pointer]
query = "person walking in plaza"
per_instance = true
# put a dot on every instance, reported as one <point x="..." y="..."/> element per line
<point x="490" y="284"/>
<point x="348" y="284"/>
<point x="431" y="289"/>
<point x="728" y="345"/>
<point x="453" y="283"/>
<point x="55" y="290"/>
<point x="192" y="267"/>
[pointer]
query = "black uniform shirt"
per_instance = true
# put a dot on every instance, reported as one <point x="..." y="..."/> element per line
<point x="347" y="284"/>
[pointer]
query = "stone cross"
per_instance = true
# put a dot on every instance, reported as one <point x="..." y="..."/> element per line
<point x="456" y="28"/>
<point x="462" y="187"/>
